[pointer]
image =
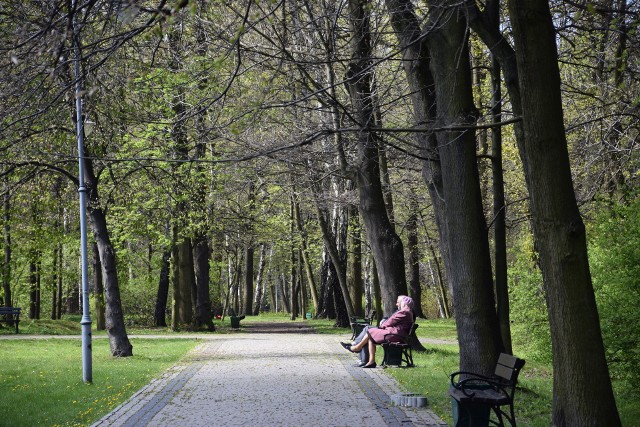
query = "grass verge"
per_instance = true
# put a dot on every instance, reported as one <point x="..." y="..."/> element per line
<point x="49" y="372"/>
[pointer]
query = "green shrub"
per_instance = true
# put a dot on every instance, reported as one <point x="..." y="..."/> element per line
<point x="614" y="255"/>
<point x="528" y="310"/>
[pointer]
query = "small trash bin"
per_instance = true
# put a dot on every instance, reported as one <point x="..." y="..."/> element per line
<point x="470" y="414"/>
<point x="235" y="321"/>
<point x="308" y="315"/>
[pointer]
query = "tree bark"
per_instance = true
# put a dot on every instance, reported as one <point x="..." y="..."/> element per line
<point x="99" y="289"/>
<point x="304" y="253"/>
<point x="416" y="60"/>
<point x="59" y="281"/>
<point x="499" y="211"/>
<point x="354" y="261"/>
<point x="472" y="280"/>
<point x="159" y="318"/>
<point x="487" y="27"/>
<point x="33" y="291"/>
<point x="581" y="383"/>
<point x="114" y="318"/>
<point x="6" y="267"/>
<point x="201" y="255"/>
<point x="248" y="281"/>
<point x="182" y="280"/>
<point x="260" y="288"/>
<point x="331" y="246"/>
<point x="385" y="244"/>
<point x="39" y="285"/>
<point x="415" y="290"/>
<point x="54" y="282"/>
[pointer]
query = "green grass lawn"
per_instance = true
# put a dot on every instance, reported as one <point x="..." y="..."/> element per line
<point x="41" y="379"/>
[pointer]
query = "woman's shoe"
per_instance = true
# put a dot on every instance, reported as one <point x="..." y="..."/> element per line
<point x="347" y="346"/>
<point x="373" y="365"/>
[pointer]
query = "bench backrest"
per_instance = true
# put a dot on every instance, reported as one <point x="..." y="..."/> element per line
<point x="508" y="367"/>
<point x="9" y="310"/>
<point x="370" y="314"/>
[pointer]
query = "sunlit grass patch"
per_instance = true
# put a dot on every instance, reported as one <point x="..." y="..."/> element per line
<point x="43" y="378"/>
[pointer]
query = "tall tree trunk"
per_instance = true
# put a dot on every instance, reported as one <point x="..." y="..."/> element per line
<point x="326" y="309"/>
<point x="304" y="253"/>
<point x="33" y="283"/>
<point x="487" y="27"/>
<point x="202" y="248"/>
<point x="385" y="244"/>
<point x="181" y="258"/>
<point x="260" y="289"/>
<point x="99" y="290"/>
<point x="302" y="292"/>
<point x="6" y="267"/>
<point x="387" y="192"/>
<point x="472" y="280"/>
<point x="415" y="290"/>
<point x="354" y="261"/>
<point x="499" y="211"/>
<point x="284" y="294"/>
<point x="440" y="290"/>
<point x="375" y="286"/>
<point x="54" y="285"/>
<point x="201" y="255"/>
<point x="292" y="259"/>
<point x="39" y="285"/>
<point x="114" y="317"/>
<point x="182" y="280"/>
<point x="73" y="295"/>
<point x="247" y="297"/>
<point x="582" y="393"/>
<point x="56" y="268"/>
<point x="160" y="313"/>
<point x="416" y="60"/>
<point x="331" y="243"/>
<point x="60" y="282"/>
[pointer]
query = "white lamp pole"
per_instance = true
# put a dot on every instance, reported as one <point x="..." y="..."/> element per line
<point x="87" y="375"/>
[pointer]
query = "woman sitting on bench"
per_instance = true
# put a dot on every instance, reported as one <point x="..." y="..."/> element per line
<point x="399" y="324"/>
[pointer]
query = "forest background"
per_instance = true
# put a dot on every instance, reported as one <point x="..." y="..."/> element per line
<point x="228" y="145"/>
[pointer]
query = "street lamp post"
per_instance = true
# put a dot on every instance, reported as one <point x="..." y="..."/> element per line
<point x="87" y="375"/>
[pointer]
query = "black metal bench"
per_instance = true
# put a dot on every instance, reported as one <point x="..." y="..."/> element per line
<point x="474" y="391"/>
<point x="10" y="315"/>
<point x="400" y="349"/>
<point x="359" y="323"/>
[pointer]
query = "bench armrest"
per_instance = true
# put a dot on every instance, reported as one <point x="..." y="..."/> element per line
<point x="473" y="381"/>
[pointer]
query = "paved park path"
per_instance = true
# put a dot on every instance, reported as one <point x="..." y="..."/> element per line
<point x="285" y="377"/>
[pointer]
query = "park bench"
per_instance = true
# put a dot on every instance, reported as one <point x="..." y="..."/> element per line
<point x="10" y="315"/>
<point x="398" y="349"/>
<point x="359" y="323"/>
<point x="476" y="395"/>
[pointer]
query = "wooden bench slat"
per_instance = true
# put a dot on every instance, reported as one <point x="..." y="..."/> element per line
<point x="504" y="372"/>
